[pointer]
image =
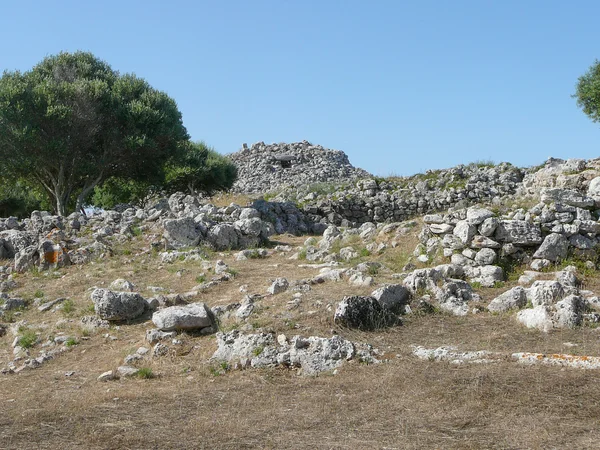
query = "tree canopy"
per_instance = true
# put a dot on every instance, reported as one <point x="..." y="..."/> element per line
<point x="588" y="92"/>
<point x="72" y="122"/>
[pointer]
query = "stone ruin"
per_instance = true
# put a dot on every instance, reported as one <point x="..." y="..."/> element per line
<point x="267" y="167"/>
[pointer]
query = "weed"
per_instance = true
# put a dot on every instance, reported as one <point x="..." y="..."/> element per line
<point x="200" y="279"/>
<point x="136" y="231"/>
<point x="38" y="293"/>
<point x="145" y="373"/>
<point x="475" y="285"/>
<point x="71" y="342"/>
<point x="27" y="339"/>
<point x="373" y="270"/>
<point x="302" y="254"/>
<point x="68" y="306"/>
<point x="364" y="252"/>
<point x="258" y="350"/>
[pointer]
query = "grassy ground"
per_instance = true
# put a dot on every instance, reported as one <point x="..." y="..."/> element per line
<point x="190" y="403"/>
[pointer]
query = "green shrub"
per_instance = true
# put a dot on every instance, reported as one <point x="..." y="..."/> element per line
<point x="27" y="339"/>
<point x="145" y="373"/>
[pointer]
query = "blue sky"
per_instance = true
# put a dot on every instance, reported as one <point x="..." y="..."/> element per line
<point x="399" y="86"/>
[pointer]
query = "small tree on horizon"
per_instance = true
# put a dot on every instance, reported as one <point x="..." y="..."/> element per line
<point x="588" y="92"/>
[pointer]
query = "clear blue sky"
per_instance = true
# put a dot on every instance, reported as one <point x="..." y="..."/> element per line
<point x="399" y="86"/>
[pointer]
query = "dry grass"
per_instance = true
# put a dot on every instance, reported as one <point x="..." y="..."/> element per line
<point x="403" y="403"/>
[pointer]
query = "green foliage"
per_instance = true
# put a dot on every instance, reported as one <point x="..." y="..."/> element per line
<point x="38" y="293"/>
<point x="72" y="122"/>
<point x="588" y="92"/>
<point x="118" y="190"/>
<point x="27" y="339"/>
<point x="71" y="341"/>
<point x="145" y="373"/>
<point x="258" y="350"/>
<point x="373" y="270"/>
<point x="364" y="252"/>
<point x="200" y="278"/>
<point x="68" y="306"/>
<point x="200" y="169"/>
<point x="17" y="199"/>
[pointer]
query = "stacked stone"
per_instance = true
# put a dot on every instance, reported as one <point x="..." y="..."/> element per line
<point x="387" y="201"/>
<point x="268" y="167"/>
<point x="565" y="222"/>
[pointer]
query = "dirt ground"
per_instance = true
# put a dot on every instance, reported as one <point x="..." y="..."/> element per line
<point x="401" y="403"/>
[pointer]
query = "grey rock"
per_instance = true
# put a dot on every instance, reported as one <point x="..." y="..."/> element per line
<point x="545" y="292"/>
<point x="554" y="248"/>
<point x="485" y="256"/>
<point x="514" y="298"/>
<point x="279" y="285"/>
<point x="182" y="232"/>
<point x="569" y="197"/>
<point x="364" y="313"/>
<point x="569" y="312"/>
<point x="518" y="232"/>
<point x="110" y="305"/>
<point x="188" y="317"/>
<point x="393" y="297"/>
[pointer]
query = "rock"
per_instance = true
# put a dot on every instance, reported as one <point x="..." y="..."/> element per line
<point x="110" y="305"/>
<point x="540" y="264"/>
<point x="476" y="215"/>
<point x="49" y="305"/>
<point x="154" y="336"/>
<point x="569" y="197"/>
<point x="189" y="317"/>
<point x="364" y="313"/>
<point x="514" y="298"/>
<point x="279" y="285"/>
<point x="393" y="297"/>
<point x="312" y="354"/>
<point x="484" y="242"/>
<point x="107" y="376"/>
<point x="487" y="276"/>
<point x="464" y="231"/>
<point x="25" y="259"/>
<point x="518" y="232"/>
<point x="538" y="317"/>
<point x="360" y="279"/>
<point x="221" y="267"/>
<point x="554" y="248"/>
<point x="246" y="308"/>
<point x="182" y="232"/>
<point x="454" y="296"/>
<point x="488" y="226"/>
<point x="569" y="312"/>
<point x="594" y="189"/>
<point x="127" y="371"/>
<point x="485" y="256"/>
<point x="122" y="285"/>
<point x="581" y="242"/>
<point x="545" y="293"/>
<point x="223" y="237"/>
<point x="441" y="228"/>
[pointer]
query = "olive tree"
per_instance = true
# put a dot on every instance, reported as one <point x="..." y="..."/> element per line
<point x="588" y="92"/>
<point x="72" y="122"/>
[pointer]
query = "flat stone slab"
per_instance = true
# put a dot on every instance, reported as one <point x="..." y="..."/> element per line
<point x="188" y="317"/>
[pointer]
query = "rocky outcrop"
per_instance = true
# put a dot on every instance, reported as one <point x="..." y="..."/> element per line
<point x="312" y="355"/>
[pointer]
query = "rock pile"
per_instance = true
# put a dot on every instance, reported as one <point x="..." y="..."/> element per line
<point x="267" y="167"/>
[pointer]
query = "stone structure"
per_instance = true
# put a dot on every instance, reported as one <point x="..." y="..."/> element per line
<point x="268" y="167"/>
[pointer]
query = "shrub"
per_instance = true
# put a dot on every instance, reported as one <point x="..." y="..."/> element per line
<point x="27" y="339"/>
